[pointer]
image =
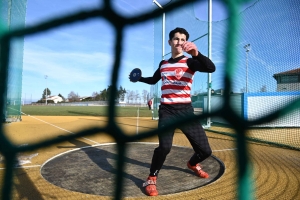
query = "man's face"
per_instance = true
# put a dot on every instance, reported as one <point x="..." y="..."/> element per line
<point x="176" y="43"/>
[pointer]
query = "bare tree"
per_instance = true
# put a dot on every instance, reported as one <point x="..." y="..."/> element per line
<point x="263" y="88"/>
<point x="137" y="96"/>
<point x="130" y="95"/>
<point x="243" y="90"/>
<point x="73" y="97"/>
<point x="127" y="95"/>
<point x="145" y="94"/>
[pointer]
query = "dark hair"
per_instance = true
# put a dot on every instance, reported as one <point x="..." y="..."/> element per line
<point x="178" y="30"/>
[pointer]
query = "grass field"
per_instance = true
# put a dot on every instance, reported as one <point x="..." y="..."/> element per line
<point x="85" y="111"/>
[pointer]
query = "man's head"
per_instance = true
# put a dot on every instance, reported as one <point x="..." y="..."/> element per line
<point x="177" y="38"/>
<point x="178" y="30"/>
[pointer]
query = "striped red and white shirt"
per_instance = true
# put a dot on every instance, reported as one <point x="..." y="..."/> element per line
<point x="177" y="81"/>
<point x="177" y="75"/>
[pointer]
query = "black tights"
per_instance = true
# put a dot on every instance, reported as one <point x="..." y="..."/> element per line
<point x="193" y="131"/>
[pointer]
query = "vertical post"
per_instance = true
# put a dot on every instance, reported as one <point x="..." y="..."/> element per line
<point x="155" y="101"/>
<point x="137" y="121"/>
<point x="247" y="71"/>
<point x="46" y="88"/>
<point x="247" y="47"/>
<point x="163" y="35"/>
<point x="209" y="56"/>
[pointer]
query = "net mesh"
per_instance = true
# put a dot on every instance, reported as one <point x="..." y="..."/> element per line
<point x="229" y="38"/>
<point x="266" y="77"/>
<point x="13" y="17"/>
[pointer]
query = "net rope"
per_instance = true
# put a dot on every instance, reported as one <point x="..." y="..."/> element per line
<point x="237" y="123"/>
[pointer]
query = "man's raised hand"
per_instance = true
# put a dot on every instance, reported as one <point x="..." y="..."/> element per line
<point x="190" y="48"/>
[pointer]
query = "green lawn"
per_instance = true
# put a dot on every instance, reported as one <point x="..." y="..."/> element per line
<point x="85" y="111"/>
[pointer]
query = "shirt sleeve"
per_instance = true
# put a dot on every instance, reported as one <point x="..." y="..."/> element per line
<point x="201" y="63"/>
<point x="154" y="79"/>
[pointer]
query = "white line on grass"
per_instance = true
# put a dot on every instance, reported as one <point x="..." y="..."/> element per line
<point x="61" y="128"/>
<point x="24" y="167"/>
<point x="56" y="126"/>
<point x="225" y="150"/>
<point x="50" y="125"/>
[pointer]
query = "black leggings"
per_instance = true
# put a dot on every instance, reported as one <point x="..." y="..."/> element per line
<point x="193" y="131"/>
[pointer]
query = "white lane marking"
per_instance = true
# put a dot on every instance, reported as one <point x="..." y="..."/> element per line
<point x="24" y="167"/>
<point x="58" y="127"/>
<point x="225" y="150"/>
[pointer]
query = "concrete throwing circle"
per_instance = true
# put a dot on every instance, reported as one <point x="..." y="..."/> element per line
<point x="92" y="170"/>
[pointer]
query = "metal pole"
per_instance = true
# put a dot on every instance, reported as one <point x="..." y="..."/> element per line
<point x="247" y="71"/>
<point x="137" y="120"/>
<point x="247" y="47"/>
<point x="163" y="51"/>
<point x="163" y="29"/>
<point x="163" y="35"/>
<point x="46" y="88"/>
<point x="209" y="56"/>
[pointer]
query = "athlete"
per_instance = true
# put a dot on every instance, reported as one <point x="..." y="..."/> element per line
<point x="177" y="77"/>
<point x="150" y="104"/>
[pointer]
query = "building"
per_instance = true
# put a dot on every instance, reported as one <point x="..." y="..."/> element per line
<point x="55" y="99"/>
<point x="288" y="80"/>
<point x="85" y="98"/>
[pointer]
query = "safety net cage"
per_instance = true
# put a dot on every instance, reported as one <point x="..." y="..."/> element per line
<point x="255" y="87"/>
<point x="12" y="17"/>
<point x="266" y="75"/>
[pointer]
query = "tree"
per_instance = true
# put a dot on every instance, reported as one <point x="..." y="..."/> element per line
<point x="44" y="93"/>
<point x="121" y="93"/>
<point x="96" y="96"/>
<point x="137" y="95"/>
<point x="103" y="95"/>
<point x="243" y="90"/>
<point x="263" y="88"/>
<point x="145" y="95"/>
<point x="73" y="97"/>
<point x="130" y="95"/>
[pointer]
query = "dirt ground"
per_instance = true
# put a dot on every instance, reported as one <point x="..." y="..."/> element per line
<point x="275" y="171"/>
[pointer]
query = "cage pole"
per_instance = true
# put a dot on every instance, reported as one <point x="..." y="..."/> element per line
<point x="209" y="56"/>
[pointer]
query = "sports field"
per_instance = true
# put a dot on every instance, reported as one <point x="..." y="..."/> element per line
<point x="275" y="171"/>
<point x="121" y="111"/>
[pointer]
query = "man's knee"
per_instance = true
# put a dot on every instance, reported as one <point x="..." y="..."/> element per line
<point x="204" y="154"/>
<point x="207" y="153"/>
<point x="163" y="150"/>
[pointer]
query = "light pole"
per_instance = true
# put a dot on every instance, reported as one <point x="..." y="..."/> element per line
<point x="155" y="101"/>
<point x="247" y="47"/>
<point x="46" y="88"/>
<point x="209" y="79"/>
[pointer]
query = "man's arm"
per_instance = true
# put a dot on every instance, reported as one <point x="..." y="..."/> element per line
<point x="201" y="63"/>
<point x="198" y="62"/>
<point x="154" y="79"/>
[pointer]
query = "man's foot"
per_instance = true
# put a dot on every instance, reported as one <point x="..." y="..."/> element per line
<point x="150" y="186"/>
<point x="197" y="169"/>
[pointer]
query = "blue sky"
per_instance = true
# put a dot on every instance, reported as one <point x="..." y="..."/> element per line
<point x="78" y="57"/>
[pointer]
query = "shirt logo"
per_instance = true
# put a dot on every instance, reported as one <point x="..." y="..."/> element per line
<point x="178" y="73"/>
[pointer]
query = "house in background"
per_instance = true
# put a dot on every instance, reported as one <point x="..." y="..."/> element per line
<point x="55" y="98"/>
<point x="288" y="80"/>
<point x="85" y="98"/>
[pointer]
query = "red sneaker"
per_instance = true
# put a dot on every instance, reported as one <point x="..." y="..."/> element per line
<point x="197" y="169"/>
<point x="150" y="186"/>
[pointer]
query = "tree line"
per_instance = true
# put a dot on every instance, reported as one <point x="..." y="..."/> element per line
<point x="123" y="95"/>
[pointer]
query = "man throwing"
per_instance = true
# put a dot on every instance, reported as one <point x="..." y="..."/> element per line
<point x="177" y="75"/>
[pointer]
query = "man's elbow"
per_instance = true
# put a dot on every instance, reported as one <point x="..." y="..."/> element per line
<point x="212" y="68"/>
